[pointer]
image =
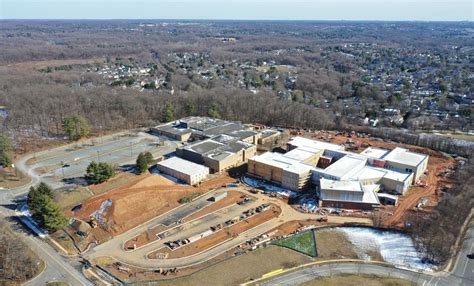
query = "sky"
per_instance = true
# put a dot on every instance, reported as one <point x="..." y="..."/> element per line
<point x="392" y="10"/>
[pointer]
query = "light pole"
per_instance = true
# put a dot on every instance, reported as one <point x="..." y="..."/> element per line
<point x="62" y="168"/>
<point x="98" y="156"/>
<point x="131" y="149"/>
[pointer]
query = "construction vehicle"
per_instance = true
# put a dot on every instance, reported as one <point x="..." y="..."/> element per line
<point x="323" y="219"/>
<point x="93" y="222"/>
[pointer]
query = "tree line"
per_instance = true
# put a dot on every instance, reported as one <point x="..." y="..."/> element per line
<point x="435" y="234"/>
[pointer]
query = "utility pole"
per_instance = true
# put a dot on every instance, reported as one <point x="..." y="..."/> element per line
<point x="62" y="168"/>
<point x="98" y="156"/>
<point x="131" y="149"/>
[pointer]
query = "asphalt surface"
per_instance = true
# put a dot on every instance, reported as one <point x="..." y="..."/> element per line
<point x="462" y="274"/>
<point x="47" y="166"/>
<point x="121" y="150"/>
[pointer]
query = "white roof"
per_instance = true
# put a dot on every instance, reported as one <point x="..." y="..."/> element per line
<point x="404" y="156"/>
<point x="370" y="196"/>
<point x="369" y="172"/>
<point x="299" y="168"/>
<point x="374" y="152"/>
<point x="281" y="161"/>
<point x="348" y="186"/>
<point x="305" y="142"/>
<point x="341" y="188"/>
<point x="345" y="166"/>
<point x="183" y="166"/>
<point x="394" y="174"/>
<point x="301" y="153"/>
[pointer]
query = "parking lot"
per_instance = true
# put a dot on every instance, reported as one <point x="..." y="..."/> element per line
<point x="120" y="149"/>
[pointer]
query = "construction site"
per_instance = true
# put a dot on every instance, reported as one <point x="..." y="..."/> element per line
<point x="220" y="189"/>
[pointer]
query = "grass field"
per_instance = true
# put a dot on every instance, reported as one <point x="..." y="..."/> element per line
<point x="116" y="182"/>
<point x="333" y="245"/>
<point x="9" y="178"/>
<point x="68" y="199"/>
<point x="64" y="240"/>
<point x="303" y="242"/>
<point x="356" y="280"/>
<point x="240" y="269"/>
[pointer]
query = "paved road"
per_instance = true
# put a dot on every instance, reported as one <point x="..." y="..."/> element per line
<point x="59" y="268"/>
<point x="463" y="273"/>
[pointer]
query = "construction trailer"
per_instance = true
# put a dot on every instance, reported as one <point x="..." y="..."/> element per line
<point x="218" y="197"/>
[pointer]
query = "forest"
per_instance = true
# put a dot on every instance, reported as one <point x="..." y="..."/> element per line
<point x="325" y="75"/>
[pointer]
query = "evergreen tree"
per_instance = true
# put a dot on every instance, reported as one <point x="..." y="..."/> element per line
<point x="99" y="173"/>
<point x="144" y="160"/>
<point x="168" y="113"/>
<point x="75" y="127"/>
<point x="213" y="111"/>
<point x="5" y="148"/>
<point x="190" y="108"/>
<point x="44" y="209"/>
<point x="53" y="216"/>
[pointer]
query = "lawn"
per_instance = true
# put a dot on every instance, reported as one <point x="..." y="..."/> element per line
<point x="10" y="178"/>
<point x="304" y="242"/>
<point x="333" y="245"/>
<point x="240" y="269"/>
<point x="356" y="280"/>
<point x="71" y="197"/>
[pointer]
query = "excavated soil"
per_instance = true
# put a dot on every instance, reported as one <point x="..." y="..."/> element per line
<point x="219" y="236"/>
<point x="133" y="205"/>
<point x="428" y="188"/>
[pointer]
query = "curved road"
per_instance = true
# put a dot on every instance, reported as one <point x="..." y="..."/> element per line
<point x="462" y="274"/>
<point x="57" y="268"/>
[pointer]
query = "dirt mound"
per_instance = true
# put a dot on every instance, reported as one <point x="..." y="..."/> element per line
<point x="153" y="180"/>
<point x="133" y="205"/>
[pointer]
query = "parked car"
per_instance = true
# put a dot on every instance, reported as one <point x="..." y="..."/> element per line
<point x="470" y="256"/>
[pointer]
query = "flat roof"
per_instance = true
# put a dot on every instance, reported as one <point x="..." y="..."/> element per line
<point x="348" y="186"/>
<point x="369" y="172"/>
<point x="345" y="166"/>
<point x="369" y="196"/>
<point x="205" y="146"/>
<point x="173" y="128"/>
<point x="306" y="142"/>
<point x="404" y="156"/>
<point x="394" y="174"/>
<point x="268" y="133"/>
<point x="183" y="166"/>
<point x="274" y="159"/>
<point x="374" y="152"/>
<point x="301" y="153"/>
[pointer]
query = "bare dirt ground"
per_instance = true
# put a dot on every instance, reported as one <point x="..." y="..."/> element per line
<point x="219" y="236"/>
<point x="430" y="183"/>
<point x="133" y="204"/>
<point x="151" y="235"/>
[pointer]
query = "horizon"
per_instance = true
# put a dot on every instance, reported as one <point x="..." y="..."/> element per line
<point x="240" y="10"/>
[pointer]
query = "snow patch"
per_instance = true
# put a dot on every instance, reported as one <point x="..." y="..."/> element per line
<point x="256" y="183"/>
<point x="395" y="247"/>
